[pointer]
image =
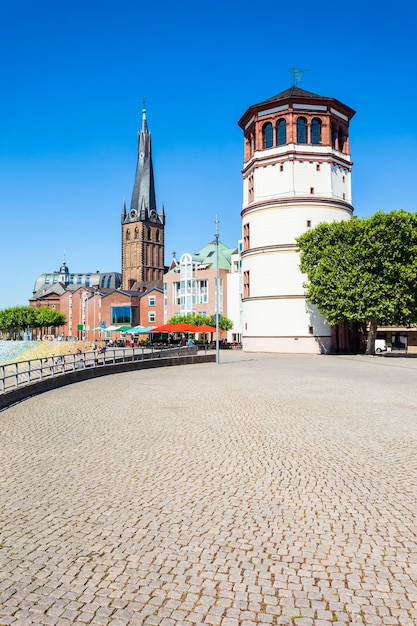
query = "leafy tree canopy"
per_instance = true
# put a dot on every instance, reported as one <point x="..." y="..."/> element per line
<point x="16" y="319"/>
<point x="198" y="320"/>
<point x="363" y="270"/>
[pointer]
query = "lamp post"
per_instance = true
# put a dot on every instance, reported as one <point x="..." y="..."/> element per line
<point x="216" y="234"/>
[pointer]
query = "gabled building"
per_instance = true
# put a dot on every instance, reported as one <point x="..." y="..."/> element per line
<point x="190" y="283"/>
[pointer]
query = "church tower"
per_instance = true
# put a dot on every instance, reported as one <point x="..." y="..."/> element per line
<point x="296" y="174"/>
<point x="142" y="226"/>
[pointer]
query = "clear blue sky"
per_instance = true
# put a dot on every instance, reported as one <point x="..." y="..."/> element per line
<point x="73" y="77"/>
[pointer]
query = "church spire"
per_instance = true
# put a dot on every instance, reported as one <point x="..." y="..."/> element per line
<point x="143" y="204"/>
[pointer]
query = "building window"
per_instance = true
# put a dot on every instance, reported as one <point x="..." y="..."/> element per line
<point x="157" y="236"/>
<point x="87" y="280"/>
<point x="315" y="131"/>
<point x="246" y="284"/>
<point x="103" y="281"/>
<point x="267" y="136"/>
<point x="128" y="235"/>
<point x="136" y="233"/>
<point x="310" y="330"/>
<point x="318" y="167"/>
<point x="152" y="317"/>
<point x="149" y="234"/>
<point x="124" y="314"/>
<point x="109" y="281"/>
<point x="79" y="279"/>
<point x="151" y="300"/>
<point x="281" y="168"/>
<point x="312" y="190"/>
<point x="71" y="279"/>
<point x="340" y="139"/>
<point x="308" y="223"/>
<point x="246" y="236"/>
<point x="301" y="130"/>
<point x="281" y="132"/>
<point x="47" y="278"/>
<point x="334" y="135"/>
<point x="176" y="293"/>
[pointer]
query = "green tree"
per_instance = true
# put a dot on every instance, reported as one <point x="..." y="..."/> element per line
<point x="198" y="320"/>
<point x="363" y="270"/>
<point x="15" y="320"/>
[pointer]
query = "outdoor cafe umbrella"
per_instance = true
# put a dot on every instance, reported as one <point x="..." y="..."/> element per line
<point x="167" y="328"/>
<point x="141" y="330"/>
<point x="205" y="328"/>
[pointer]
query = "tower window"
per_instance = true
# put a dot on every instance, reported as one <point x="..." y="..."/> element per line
<point x="267" y="136"/>
<point x="281" y="132"/>
<point x="301" y="130"/>
<point x="318" y="167"/>
<point x="157" y="236"/>
<point x="340" y="139"/>
<point x="246" y="284"/>
<point x="334" y="135"/>
<point x="128" y="235"/>
<point x="136" y="233"/>
<point x="246" y="236"/>
<point x="149" y="234"/>
<point x="315" y="131"/>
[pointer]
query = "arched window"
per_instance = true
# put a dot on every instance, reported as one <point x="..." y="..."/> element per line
<point x="334" y="135"/>
<point x="267" y="136"/>
<point x="315" y="130"/>
<point x="136" y="233"/>
<point x="281" y="132"/>
<point x="128" y="235"/>
<point x="149" y="234"/>
<point x="301" y="130"/>
<point x="157" y="236"/>
<point x="340" y="139"/>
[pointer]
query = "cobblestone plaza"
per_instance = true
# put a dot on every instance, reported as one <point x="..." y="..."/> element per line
<point x="268" y="489"/>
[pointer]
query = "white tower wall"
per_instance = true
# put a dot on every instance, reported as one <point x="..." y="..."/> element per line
<point x="289" y="187"/>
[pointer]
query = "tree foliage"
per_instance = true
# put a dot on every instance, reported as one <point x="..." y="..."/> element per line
<point x="15" y="320"/>
<point x="198" y="320"/>
<point x="363" y="270"/>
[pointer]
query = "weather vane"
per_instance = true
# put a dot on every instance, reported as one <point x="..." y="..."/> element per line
<point x="296" y="75"/>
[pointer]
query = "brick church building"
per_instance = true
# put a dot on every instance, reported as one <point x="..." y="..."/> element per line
<point x="132" y="297"/>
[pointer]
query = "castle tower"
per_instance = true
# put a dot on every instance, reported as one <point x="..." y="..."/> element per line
<point x="142" y="225"/>
<point x="296" y="174"/>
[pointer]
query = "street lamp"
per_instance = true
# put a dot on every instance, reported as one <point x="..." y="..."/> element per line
<point x="216" y="234"/>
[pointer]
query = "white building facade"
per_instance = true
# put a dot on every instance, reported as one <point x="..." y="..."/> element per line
<point x="296" y="174"/>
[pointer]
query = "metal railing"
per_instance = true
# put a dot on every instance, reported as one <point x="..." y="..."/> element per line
<point x="14" y="375"/>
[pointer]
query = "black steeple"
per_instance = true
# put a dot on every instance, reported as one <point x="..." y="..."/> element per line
<point x="143" y="204"/>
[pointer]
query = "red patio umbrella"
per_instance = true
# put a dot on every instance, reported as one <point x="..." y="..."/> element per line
<point x="166" y="328"/>
<point x="205" y="328"/>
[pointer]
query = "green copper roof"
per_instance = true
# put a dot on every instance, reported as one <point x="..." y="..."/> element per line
<point x="207" y="255"/>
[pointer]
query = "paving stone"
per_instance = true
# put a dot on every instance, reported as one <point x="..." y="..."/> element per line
<point x="269" y="489"/>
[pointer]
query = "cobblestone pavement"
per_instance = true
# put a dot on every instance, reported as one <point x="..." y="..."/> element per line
<point x="264" y="490"/>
